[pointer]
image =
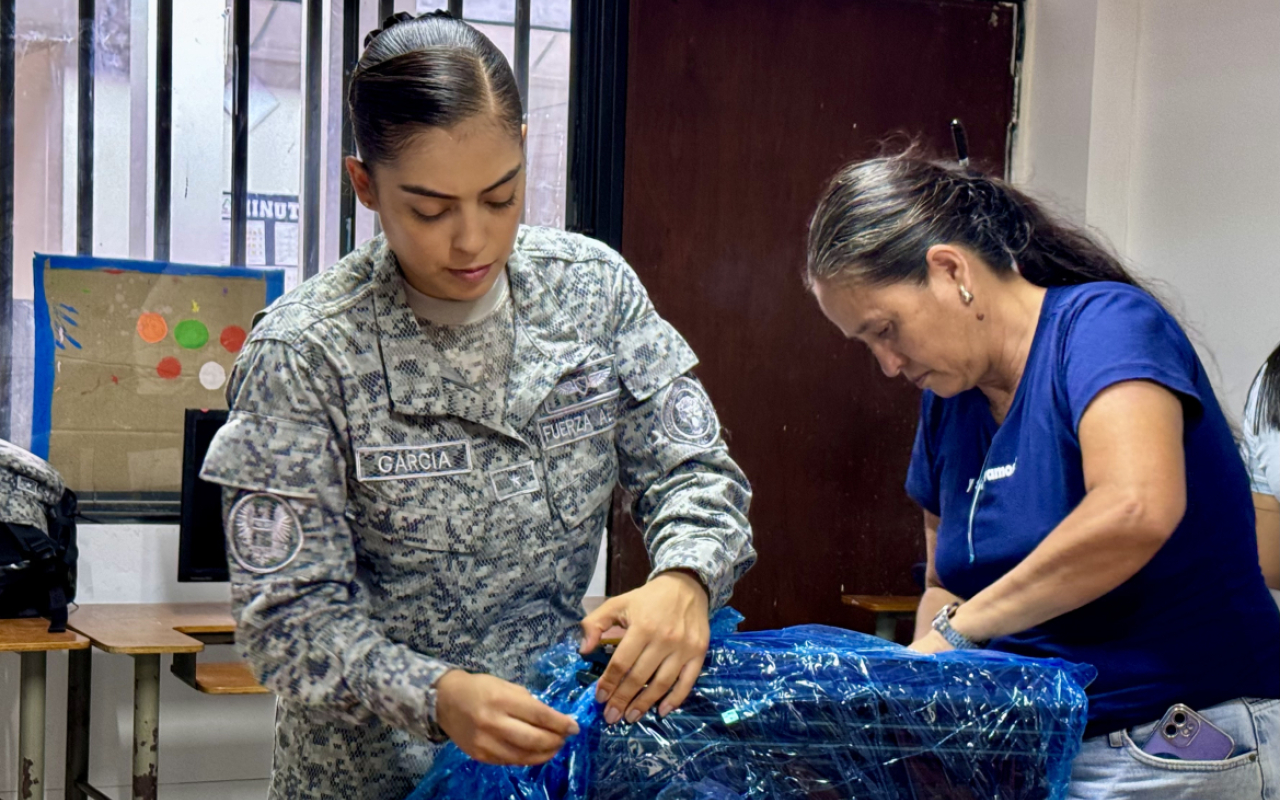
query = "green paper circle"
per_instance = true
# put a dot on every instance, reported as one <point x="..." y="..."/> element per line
<point x="191" y="334"/>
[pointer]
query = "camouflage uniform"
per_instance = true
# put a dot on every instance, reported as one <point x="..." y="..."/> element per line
<point x="387" y="523"/>
<point x="28" y="487"/>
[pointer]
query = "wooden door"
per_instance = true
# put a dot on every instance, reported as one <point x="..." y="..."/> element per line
<point x="737" y="113"/>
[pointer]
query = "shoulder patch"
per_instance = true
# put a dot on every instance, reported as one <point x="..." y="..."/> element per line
<point x="266" y="533"/>
<point x="687" y="414"/>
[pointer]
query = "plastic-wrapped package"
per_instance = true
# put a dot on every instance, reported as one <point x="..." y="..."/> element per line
<point x="809" y="712"/>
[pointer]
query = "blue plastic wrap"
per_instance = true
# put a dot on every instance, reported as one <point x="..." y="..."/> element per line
<point x="808" y="712"/>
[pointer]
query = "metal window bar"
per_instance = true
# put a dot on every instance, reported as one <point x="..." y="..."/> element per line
<point x="84" y="138"/>
<point x="8" y="66"/>
<point x="162" y="236"/>
<point x="386" y="8"/>
<point x="239" y="129"/>
<point x="455" y="9"/>
<point x="521" y="51"/>
<point x="350" y="54"/>
<point x="311" y="129"/>
<point x="597" y="120"/>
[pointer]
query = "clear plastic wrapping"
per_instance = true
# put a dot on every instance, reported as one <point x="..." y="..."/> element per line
<point x="808" y="712"/>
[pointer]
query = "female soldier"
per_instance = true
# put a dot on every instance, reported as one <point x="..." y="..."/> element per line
<point x="424" y="442"/>
<point x="1081" y="490"/>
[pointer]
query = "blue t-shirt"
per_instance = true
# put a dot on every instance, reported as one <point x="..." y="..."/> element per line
<point x="1196" y="625"/>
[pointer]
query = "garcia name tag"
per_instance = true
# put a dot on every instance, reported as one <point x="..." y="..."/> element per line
<point x="399" y="462"/>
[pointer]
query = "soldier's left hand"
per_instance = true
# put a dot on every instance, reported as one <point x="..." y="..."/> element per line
<point x="660" y="656"/>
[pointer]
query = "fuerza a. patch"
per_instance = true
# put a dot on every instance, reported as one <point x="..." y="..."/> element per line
<point x="578" y="422"/>
<point x="266" y="533"/>
<point x="687" y="414"/>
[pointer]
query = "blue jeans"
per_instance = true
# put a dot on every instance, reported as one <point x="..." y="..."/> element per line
<point x="1115" y="767"/>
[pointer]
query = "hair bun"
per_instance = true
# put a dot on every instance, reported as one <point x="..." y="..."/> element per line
<point x="387" y="24"/>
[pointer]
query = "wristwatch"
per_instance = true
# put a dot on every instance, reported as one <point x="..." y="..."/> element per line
<point x="942" y="624"/>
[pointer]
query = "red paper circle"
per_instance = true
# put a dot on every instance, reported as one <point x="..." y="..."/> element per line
<point x="232" y="338"/>
<point x="169" y="368"/>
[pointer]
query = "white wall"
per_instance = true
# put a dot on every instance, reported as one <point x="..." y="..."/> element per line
<point x="1173" y="152"/>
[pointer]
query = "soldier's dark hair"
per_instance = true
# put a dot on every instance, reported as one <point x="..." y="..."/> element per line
<point x="1267" y="412"/>
<point x="431" y="71"/>
<point x="878" y="218"/>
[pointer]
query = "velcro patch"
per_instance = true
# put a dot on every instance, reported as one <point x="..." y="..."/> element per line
<point x="512" y="481"/>
<point x="579" y="422"/>
<point x="266" y="533"/>
<point x="399" y="462"/>
<point x="687" y="414"/>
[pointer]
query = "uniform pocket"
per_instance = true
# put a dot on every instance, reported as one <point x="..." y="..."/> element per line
<point x="581" y="477"/>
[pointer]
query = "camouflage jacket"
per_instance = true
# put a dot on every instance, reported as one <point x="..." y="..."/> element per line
<point x="381" y="534"/>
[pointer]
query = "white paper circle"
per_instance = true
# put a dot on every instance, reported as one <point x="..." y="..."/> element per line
<point x="212" y="375"/>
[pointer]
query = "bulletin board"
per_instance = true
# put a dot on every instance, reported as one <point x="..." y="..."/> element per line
<point x="123" y="348"/>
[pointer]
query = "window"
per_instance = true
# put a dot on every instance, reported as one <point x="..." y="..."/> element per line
<point x="129" y="36"/>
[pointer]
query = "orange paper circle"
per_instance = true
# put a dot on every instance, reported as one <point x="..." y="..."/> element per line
<point x="152" y="328"/>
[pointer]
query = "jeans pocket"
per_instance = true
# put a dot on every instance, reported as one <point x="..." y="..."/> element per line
<point x="1183" y="765"/>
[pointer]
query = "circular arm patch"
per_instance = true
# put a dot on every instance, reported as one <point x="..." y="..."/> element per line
<point x="687" y="414"/>
<point x="266" y="533"/>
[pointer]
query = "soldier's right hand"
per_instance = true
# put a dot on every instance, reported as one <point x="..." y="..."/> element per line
<point x="498" y="722"/>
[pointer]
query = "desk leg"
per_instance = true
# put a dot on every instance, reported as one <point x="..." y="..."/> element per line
<point x="79" y="692"/>
<point x="31" y="727"/>
<point x="146" y="726"/>
<point x="886" y="626"/>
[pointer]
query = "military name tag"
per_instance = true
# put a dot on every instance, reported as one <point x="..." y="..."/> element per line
<point x="399" y="462"/>
<point x="581" y="422"/>
<point x="512" y="481"/>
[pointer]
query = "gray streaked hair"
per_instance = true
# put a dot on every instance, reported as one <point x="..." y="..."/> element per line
<point x="878" y="218"/>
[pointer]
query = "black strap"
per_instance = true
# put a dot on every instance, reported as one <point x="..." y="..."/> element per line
<point x="57" y="608"/>
<point x="34" y="541"/>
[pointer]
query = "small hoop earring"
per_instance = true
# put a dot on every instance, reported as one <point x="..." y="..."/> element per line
<point x="966" y="295"/>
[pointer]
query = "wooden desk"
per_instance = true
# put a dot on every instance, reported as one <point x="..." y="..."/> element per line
<point x="31" y="640"/>
<point x="887" y="608"/>
<point x="144" y="632"/>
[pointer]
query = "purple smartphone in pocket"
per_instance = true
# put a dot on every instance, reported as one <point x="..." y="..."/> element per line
<point x="1186" y="735"/>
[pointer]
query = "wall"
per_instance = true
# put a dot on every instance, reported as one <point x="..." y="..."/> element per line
<point x="1170" y="154"/>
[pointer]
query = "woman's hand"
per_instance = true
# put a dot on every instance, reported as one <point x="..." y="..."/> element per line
<point x="931" y="642"/>
<point x="666" y="638"/>
<point x="498" y="722"/>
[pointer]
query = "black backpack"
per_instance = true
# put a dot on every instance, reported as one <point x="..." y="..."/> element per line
<point x="37" y="539"/>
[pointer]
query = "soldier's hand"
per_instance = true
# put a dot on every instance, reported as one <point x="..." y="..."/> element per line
<point x="660" y="656"/>
<point x="498" y="722"/>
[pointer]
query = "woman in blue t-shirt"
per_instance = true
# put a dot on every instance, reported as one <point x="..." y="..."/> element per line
<point x="1082" y="494"/>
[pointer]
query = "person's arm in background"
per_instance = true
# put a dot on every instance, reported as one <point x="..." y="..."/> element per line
<point x="1267" y="508"/>
<point x="1260" y="449"/>
<point x="934" y="597"/>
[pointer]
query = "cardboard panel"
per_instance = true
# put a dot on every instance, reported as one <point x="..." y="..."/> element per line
<point x="122" y="349"/>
